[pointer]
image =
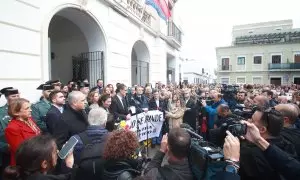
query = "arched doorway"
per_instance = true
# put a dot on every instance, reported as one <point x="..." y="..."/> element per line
<point x="76" y="47"/>
<point x="140" y="59"/>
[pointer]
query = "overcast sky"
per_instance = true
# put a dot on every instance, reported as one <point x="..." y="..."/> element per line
<point x="208" y="24"/>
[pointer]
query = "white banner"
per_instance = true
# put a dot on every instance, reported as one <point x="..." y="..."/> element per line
<point x="152" y="119"/>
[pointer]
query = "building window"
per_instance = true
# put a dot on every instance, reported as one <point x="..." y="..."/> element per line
<point x="240" y="80"/>
<point x="225" y="64"/>
<point x="257" y="60"/>
<point x="241" y="60"/>
<point x="276" y="59"/>
<point x="297" y="58"/>
<point x="257" y="80"/>
<point x="224" y="80"/>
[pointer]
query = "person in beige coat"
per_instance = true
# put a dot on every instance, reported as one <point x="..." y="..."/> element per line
<point x="176" y="114"/>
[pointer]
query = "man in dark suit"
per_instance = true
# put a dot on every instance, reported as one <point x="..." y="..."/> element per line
<point x="157" y="104"/>
<point x="73" y="119"/>
<point x="140" y="101"/>
<point x="119" y="106"/>
<point x="54" y="114"/>
<point x="190" y="114"/>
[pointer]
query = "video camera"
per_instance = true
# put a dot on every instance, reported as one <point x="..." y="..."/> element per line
<point x="203" y="156"/>
<point x="229" y="89"/>
<point x="233" y="125"/>
<point x="208" y="100"/>
<point x="245" y="114"/>
<point x="199" y="146"/>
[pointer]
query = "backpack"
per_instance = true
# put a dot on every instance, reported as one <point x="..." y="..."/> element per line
<point x="120" y="171"/>
<point x="205" y="163"/>
<point x="91" y="162"/>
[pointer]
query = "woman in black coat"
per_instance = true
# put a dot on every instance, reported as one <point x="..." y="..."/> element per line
<point x="35" y="158"/>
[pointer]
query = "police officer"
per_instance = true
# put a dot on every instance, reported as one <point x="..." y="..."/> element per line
<point x="55" y="83"/>
<point x="10" y="94"/>
<point x="40" y="109"/>
<point x="84" y="88"/>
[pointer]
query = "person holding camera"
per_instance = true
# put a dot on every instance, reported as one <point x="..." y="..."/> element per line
<point x="176" y="146"/>
<point x="253" y="163"/>
<point x="212" y="110"/>
<point x="280" y="161"/>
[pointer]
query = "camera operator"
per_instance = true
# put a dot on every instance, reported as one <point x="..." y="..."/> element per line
<point x="253" y="163"/>
<point x="246" y="111"/>
<point x="241" y="96"/>
<point x="176" y="146"/>
<point x="224" y="114"/>
<point x="231" y="152"/>
<point x="212" y="110"/>
<point x="281" y="161"/>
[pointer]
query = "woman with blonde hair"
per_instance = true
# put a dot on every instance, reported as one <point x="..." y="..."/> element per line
<point x="176" y="114"/>
<point x="93" y="98"/>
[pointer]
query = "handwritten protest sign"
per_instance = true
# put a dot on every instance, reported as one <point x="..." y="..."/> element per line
<point x="154" y="120"/>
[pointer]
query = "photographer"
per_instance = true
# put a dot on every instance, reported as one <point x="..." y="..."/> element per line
<point x="212" y="110"/>
<point x="223" y="115"/>
<point x="241" y="96"/>
<point x="253" y="163"/>
<point x="231" y="155"/>
<point x="281" y="161"/>
<point x="176" y="146"/>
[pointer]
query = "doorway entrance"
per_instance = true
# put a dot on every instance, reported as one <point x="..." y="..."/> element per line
<point x="140" y="59"/>
<point x="297" y="80"/>
<point x="276" y="81"/>
<point x="76" y="47"/>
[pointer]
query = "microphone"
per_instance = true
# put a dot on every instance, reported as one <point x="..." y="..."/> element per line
<point x="194" y="134"/>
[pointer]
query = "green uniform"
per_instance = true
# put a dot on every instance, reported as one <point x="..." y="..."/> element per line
<point x="39" y="111"/>
<point x="4" y="120"/>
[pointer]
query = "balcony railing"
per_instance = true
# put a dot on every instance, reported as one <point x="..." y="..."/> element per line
<point x="225" y="68"/>
<point x="174" y="31"/>
<point x="284" y="66"/>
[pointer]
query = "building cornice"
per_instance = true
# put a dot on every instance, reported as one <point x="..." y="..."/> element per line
<point x="120" y="6"/>
<point x="254" y="45"/>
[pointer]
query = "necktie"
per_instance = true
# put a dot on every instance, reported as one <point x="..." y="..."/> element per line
<point x="124" y="103"/>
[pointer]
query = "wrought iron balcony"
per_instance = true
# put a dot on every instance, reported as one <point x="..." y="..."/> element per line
<point x="284" y="66"/>
<point x="225" y="68"/>
<point x="174" y="32"/>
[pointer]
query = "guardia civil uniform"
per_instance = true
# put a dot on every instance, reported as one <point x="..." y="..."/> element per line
<point x="40" y="108"/>
<point x="4" y="120"/>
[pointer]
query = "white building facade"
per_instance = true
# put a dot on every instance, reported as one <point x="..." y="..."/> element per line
<point x="194" y="73"/>
<point x="261" y="53"/>
<point x="118" y="41"/>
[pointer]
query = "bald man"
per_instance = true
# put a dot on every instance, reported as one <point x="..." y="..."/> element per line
<point x="290" y="132"/>
<point x="261" y="101"/>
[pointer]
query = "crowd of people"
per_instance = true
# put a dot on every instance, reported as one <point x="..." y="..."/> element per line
<point x="32" y="134"/>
